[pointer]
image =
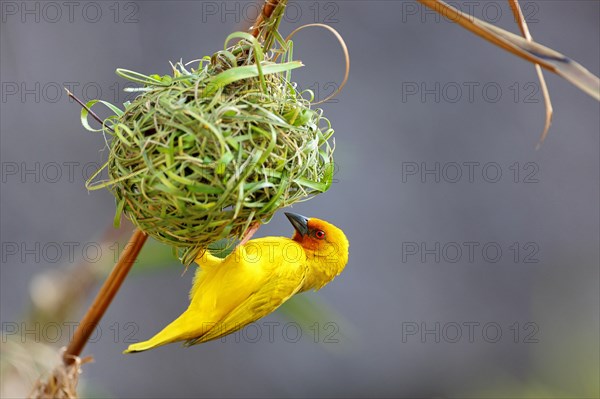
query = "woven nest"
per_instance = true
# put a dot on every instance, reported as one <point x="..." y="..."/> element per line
<point x="202" y="155"/>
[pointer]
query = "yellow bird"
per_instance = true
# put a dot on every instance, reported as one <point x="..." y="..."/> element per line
<point x="254" y="280"/>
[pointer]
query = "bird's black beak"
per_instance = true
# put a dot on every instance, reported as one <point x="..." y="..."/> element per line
<point x="299" y="222"/>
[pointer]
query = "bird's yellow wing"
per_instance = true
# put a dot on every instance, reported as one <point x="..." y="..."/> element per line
<point x="206" y="262"/>
<point x="229" y="294"/>
<point x="266" y="295"/>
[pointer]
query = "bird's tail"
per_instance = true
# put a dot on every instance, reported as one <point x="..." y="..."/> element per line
<point x="178" y="330"/>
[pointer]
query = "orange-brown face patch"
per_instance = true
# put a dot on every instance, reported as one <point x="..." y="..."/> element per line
<point x="316" y="239"/>
<point x="332" y="248"/>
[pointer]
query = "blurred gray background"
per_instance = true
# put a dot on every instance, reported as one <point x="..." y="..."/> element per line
<point x="410" y="316"/>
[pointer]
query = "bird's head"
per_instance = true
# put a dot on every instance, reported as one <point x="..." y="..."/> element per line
<point x="320" y="238"/>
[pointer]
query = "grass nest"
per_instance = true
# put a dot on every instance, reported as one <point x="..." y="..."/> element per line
<point x="204" y="154"/>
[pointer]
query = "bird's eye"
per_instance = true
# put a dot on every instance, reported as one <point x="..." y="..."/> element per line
<point x="320" y="234"/>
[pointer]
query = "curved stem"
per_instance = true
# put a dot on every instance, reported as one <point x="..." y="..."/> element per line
<point x="104" y="297"/>
<point x="267" y="10"/>
<point x="116" y="277"/>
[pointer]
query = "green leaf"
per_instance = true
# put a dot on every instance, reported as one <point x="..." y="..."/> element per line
<point x="117" y="219"/>
<point x="245" y="72"/>
<point x="88" y="106"/>
<point x="153" y="80"/>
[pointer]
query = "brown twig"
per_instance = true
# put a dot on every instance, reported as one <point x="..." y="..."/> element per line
<point x="529" y="50"/>
<point x="104" y="296"/>
<point x="117" y="276"/>
<point x="250" y="232"/>
<point x="520" y="19"/>
<point x="267" y="10"/>
<point x="472" y="24"/>
<point x="96" y="117"/>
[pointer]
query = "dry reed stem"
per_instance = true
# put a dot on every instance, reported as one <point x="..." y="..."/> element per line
<point x="62" y="383"/>
<point x="520" y="18"/>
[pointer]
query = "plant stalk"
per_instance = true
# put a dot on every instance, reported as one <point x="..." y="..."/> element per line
<point x="116" y="277"/>
<point x="267" y="10"/>
<point x="104" y="297"/>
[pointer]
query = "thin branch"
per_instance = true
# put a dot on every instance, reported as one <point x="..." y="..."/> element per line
<point x="474" y="25"/>
<point x="267" y="10"/>
<point x="104" y="297"/>
<point x="96" y="117"/>
<point x="112" y="284"/>
<point x="250" y="232"/>
<point x="531" y="51"/>
<point x="344" y="49"/>
<point x="520" y="19"/>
